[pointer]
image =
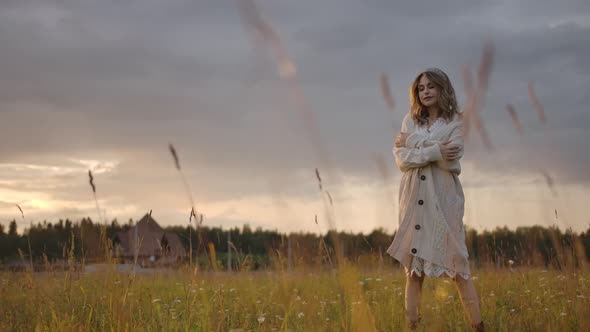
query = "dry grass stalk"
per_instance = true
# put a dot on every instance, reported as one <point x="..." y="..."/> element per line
<point x="386" y="92"/>
<point x="213" y="256"/>
<point x="28" y="237"/>
<point x="104" y="241"/>
<point x="549" y="181"/>
<point x="475" y="96"/>
<point x="322" y="244"/>
<point x="515" y="120"/>
<point x="189" y="193"/>
<point x="265" y="33"/>
<point x="536" y="103"/>
<point x="468" y="86"/>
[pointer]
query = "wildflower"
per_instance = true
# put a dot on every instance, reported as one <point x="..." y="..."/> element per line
<point x="510" y="262"/>
<point x="300" y="315"/>
<point x="261" y="319"/>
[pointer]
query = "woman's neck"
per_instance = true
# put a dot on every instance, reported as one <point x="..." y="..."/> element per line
<point x="433" y="113"/>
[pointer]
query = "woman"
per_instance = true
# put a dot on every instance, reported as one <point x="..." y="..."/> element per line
<point x="430" y="240"/>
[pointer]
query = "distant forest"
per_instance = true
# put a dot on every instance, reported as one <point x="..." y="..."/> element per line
<point x="54" y="243"/>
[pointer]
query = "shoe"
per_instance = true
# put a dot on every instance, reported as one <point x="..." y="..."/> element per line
<point x="478" y="327"/>
<point x="413" y="324"/>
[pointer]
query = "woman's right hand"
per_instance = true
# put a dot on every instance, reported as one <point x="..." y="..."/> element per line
<point x="400" y="139"/>
<point x="449" y="151"/>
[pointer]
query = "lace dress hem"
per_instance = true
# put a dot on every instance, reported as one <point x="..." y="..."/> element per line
<point x="430" y="269"/>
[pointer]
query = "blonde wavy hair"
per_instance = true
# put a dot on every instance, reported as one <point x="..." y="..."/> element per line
<point x="447" y="100"/>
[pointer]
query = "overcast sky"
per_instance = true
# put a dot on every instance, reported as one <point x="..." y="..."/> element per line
<point x="107" y="85"/>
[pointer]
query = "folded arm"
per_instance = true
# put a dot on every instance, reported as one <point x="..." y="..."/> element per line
<point x="420" y="150"/>
<point x="456" y="138"/>
<point x="407" y="158"/>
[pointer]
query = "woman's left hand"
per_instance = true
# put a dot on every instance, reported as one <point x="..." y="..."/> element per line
<point x="400" y="139"/>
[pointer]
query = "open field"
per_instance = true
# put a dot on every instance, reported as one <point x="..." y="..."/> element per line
<point x="518" y="300"/>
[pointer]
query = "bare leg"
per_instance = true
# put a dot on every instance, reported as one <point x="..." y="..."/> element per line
<point x="413" y="295"/>
<point x="470" y="300"/>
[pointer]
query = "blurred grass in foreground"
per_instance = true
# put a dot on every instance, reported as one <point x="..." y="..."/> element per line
<point x="525" y="300"/>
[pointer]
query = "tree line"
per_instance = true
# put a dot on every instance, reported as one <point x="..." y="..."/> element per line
<point x="49" y="243"/>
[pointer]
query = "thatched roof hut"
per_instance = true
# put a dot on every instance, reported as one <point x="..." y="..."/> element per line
<point x="148" y="240"/>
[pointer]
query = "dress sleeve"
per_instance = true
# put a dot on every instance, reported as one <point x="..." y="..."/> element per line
<point x="412" y="157"/>
<point x="456" y="138"/>
<point x="415" y="140"/>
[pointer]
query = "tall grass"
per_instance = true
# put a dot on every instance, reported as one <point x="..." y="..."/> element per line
<point x="525" y="300"/>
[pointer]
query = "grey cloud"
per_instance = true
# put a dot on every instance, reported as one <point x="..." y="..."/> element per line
<point x="125" y="79"/>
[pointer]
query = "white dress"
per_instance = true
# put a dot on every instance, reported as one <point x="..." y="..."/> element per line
<point x="431" y="237"/>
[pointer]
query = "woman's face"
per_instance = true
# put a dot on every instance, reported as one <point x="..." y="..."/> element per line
<point x="427" y="92"/>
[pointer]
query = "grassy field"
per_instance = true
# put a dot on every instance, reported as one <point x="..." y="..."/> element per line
<point x="349" y="300"/>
